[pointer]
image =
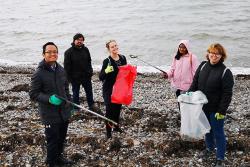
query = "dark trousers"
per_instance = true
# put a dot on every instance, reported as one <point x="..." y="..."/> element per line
<point x="112" y="112"/>
<point x="87" y="85"/>
<point x="178" y="93"/>
<point x="55" y="137"/>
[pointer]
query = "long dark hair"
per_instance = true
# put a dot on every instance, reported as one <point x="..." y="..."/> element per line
<point x="178" y="55"/>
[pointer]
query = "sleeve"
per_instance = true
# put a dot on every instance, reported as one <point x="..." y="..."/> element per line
<point x="67" y="65"/>
<point x="195" y="64"/>
<point x="125" y="60"/>
<point x="103" y="75"/>
<point x="227" y="92"/>
<point x="194" y="85"/>
<point x="90" y="68"/>
<point x="36" y="93"/>
<point x="66" y="85"/>
<point x="172" y="69"/>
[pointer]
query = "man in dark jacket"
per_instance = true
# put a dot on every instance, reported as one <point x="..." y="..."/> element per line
<point x="48" y="81"/>
<point x="77" y="64"/>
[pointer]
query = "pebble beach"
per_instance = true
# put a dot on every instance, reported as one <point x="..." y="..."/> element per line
<point x="151" y="127"/>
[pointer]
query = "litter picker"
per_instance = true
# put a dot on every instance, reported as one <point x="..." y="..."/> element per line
<point x="134" y="56"/>
<point x="92" y="112"/>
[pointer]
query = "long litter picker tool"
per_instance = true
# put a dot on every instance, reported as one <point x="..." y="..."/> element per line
<point x="92" y="112"/>
<point x="134" y="56"/>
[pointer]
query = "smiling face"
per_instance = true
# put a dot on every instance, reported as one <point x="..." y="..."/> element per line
<point x="113" y="48"/>
<point x="51" y="54"/>
<point x="214" y="56"/>
<point x="216" y="53"/>
<point x="182" y="49"/>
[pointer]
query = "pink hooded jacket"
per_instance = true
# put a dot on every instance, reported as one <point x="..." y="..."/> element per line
<point x="182" y="71"/>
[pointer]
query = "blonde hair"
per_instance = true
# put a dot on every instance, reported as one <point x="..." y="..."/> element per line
<point x="218" y="47"/>
<point x="107" y="43"/>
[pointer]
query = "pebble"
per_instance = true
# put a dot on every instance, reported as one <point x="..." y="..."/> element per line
<point x="150" y="139"/>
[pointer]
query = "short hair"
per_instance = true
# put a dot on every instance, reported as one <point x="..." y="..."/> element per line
<point x="77" y="36"/>
<point x="218" y="47"/>
<point x="48" y="43"/>
<point x="108" y="42"/>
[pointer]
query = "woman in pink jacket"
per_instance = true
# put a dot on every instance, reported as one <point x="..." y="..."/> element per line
<point x="182" y="69"/>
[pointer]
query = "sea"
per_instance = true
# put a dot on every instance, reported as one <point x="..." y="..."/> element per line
<point x="149" y="29"/>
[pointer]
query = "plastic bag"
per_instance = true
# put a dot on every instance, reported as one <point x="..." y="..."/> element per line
<point x="123" y="88"/>
<point x="194" y="123"/>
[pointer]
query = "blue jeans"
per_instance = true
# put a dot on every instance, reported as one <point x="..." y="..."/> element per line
<point x="216" y="137"/>
<point x="87" y="85"/>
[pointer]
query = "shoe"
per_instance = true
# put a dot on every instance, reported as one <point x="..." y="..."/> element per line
<point x="96" y="109"/>
<point x="118" y="129"/>
<point x="205" y="154"/>
<point x="50" y="164"/>
<point x="75" y="112"/>
<point x="63" y="161"/>
<point x="219" y="163"/>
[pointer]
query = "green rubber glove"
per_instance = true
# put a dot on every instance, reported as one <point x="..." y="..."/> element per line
<point x="219" y="116"/>
<point x="109" y="69"/>
<point x="55" y="100"/>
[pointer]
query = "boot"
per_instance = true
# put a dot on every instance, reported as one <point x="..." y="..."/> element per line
<point x="118" y="129"/>
<point x="63" y="161"/>
<point x="205" y="154"/>
<point x="219" y="163"/>
<point x="96" y="109"/>
<point x="108" y="130"/>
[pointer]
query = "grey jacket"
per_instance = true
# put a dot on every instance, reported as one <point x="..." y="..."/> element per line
<point x="46" y="82"/>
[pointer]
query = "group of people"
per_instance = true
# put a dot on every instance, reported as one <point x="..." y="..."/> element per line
<point x="50" y="87"/>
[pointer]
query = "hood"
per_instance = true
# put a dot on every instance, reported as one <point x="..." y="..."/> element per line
<point x="186" y="43"/>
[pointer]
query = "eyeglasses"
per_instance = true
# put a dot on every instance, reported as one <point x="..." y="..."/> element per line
<point x="214" y="54"/>
<point x="51" y="52"/>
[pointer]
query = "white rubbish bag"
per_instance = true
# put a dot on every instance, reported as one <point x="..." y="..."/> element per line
<point x="194" y="123"/>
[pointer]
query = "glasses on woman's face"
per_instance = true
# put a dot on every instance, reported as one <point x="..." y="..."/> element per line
<point x="214" y="54"/>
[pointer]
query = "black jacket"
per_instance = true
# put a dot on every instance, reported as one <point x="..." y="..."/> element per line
<point x="77" y="64"/>
<point x="217" y="88"/>
<point x="44" y="83"/>
<point x="110" y="78"/>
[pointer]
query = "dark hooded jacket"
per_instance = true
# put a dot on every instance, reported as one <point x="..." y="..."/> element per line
<point x="77" y="64"/>
<point x="110" y="78"/>
<point x="217" y="87"/>
<point x="46" y="82"/>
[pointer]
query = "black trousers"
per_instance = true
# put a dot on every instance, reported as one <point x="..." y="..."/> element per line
<point x="55" y="137"/>
<point x="112" y="112"/>
<point x="87" y="85"/>
<point x="178" y="93"/>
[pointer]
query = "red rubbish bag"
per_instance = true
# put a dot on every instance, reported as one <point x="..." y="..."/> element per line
<point x="123" y="88"/>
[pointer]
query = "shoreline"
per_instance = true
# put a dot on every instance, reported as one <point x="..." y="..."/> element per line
<point x="151" y="124"/>
<point x="29" y="69"/>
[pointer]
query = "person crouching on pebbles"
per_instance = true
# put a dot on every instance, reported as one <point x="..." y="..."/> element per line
<point x="108" y="75"/>
<point x="48" y="81"/>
